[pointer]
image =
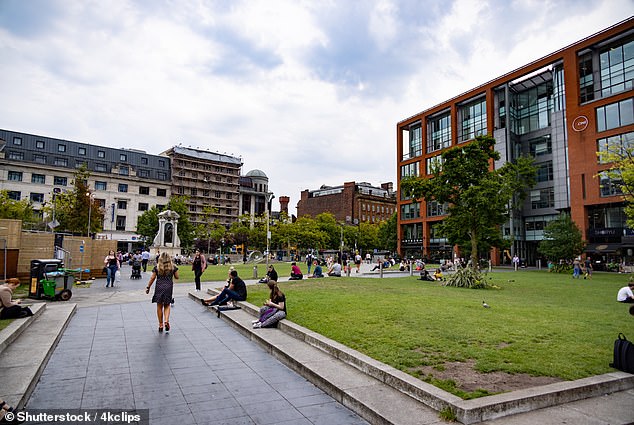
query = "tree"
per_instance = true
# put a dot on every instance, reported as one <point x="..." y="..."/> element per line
<point x="148" y="223"/>
<point x="178" y="204"/>
<point x="478" y="198"/>
<point x="73" y="206"/>
<point x="17" y="210"/>
<point x="619" y="152"/>
<point x="387" y="234"/>
<point x="562" y="240"/>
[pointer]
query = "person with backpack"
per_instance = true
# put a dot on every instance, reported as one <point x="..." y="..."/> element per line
<point x="273" y="310"/>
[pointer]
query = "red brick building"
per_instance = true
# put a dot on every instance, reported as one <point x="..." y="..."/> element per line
<point x="561" y="109"/>
<point x="351" y="203"/>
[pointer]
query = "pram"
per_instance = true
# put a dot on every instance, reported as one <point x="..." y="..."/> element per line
<point x="136" y="270"/>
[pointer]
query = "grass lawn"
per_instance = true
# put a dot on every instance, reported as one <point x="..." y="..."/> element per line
<point x="5" y="322"/>
<point x="539" y="323"/>
<point x="219" y="273"/>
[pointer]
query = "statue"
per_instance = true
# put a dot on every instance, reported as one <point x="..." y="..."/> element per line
<point x="167" y="236"/>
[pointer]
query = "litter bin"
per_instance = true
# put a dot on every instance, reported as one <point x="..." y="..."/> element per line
<point x="49" y="280"/>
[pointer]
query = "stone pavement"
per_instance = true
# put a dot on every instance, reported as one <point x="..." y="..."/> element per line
<point x="205" y="371"/>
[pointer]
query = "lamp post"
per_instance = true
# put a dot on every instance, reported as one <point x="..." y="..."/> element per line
<point x="89" y="211"/>
<point x="269" y="198"/>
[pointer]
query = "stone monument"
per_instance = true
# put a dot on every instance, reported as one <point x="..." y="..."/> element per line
<point x="167" y="239"/>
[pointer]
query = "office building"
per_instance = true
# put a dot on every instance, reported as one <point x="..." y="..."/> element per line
<point x="561" y="109"/>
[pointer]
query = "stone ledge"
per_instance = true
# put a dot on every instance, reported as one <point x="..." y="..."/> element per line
<point x="17" y="326"/>
<point x="467" y="411"/>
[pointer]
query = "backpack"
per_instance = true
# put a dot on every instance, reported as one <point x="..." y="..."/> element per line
<point x="623" y="354"/>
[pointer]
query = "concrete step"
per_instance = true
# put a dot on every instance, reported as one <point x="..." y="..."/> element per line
<point x="466" y="411"/>
<point x="23" y="361"/>
<point x="16" y="327"/>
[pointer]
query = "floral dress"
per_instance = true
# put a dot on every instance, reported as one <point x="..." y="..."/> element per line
<point x="163" y="287"/>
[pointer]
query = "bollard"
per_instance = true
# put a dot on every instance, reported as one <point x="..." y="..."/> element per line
<point x="381" y="270"/>
<point x="255" y="272"/>
<point x="411" y="269"/>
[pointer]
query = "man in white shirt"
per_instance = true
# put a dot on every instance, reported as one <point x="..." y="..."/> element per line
<point x="625" y="294"/>
<point x="145" y="256"/>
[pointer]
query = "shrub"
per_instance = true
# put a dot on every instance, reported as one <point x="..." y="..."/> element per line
<point x="467" y="277"/>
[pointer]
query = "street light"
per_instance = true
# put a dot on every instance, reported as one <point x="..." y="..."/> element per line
<point x="88" y="194"/>
<point x="269" y="198"/>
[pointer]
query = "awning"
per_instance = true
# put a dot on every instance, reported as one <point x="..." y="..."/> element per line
<point x="603" y="247"/>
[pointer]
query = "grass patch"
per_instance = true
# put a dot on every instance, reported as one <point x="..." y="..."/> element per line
<point x="5" y="322"/>
<point x="539" y="323"/>
<point x="219" y="273"/>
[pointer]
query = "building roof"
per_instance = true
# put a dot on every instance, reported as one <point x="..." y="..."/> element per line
<point x="256" y="173"/>
<point x="206" y="155"/>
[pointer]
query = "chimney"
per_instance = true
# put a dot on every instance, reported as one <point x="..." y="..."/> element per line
<point x="387" y="186"/>
<point x="284" y="200"/>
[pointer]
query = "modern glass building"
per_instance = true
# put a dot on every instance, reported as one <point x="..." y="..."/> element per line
<point x="561" y="109"/>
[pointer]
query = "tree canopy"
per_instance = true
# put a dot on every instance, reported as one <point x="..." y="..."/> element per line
<point x="478" y="198"/>
<point x="562" y="240"/>
<point x="17" y="210"/>
<point x="619" y="152"/>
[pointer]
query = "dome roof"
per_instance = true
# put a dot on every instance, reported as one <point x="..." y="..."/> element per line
<point x="256" y="173"/>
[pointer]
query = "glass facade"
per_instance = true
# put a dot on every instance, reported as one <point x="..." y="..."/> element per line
<point x="434" y="209"/>
<point x="609" y="186"/>
<point x="472" y="120"/>
<point x="542" y="198"/>
<point x="438" y="132"/>
<point x="544" y="171"/>
<point x="410" y="170"/>
<point x="615" y="115"/>
<point x="410" y="211"/>
<point x="415" y="141"/>
<point x="621" y="145"/>
<point x="617" y="69"/>
<point x="532" y="108"/>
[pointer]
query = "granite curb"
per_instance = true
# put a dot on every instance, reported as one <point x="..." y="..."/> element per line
<point x="17" y="326"/>
<point x="466" y="411"/>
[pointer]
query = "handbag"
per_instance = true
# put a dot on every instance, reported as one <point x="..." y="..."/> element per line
<point x="105" y="270"/>
<point x="267" y="314"/>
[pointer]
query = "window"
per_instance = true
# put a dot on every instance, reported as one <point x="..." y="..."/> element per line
<point x="162" y="163"/>
<point x="144" y="190"/>
<point x="532" y="108"/>
<point x="16" y="155"/>
<point x="415" y="141"/>
<point x="586" y="79"/>
<point x="161" y="175"/>
<point x="615" y="115"/>
<point x="124" y="170"/>
<point x="412" y="232"/>
<point x="617" y="69"/>
<point x="122" y="205"/>
<point x="80" y="164"/>
<point x="143" y="174"/>
<point x="206" y="193"/>
<point x="216" y="194"/>
<point x="60" y="181"/>
<point x="123" y="187"/>
<point x="15" y="176"/>
<point x="144" y="160"/>
<point x="161" y="192"/>
<point x="14" y="195"/>
<point x="101" y="185"/>
<point x="37" y="197"/>
<point x="17" y="141"/>
<point x="544" y="171"/>
<point x="194" y="191"/>
<point x="619" y="145"/>
<point x="410" y="211"/>
<point x="102" y="168"/>
<point x="472" y="120"/>
<point x="410" y="170"/>
<point x="81" y="151"/>
<point x="192" y="208"/>
<point x="433" y="164"/>
<point x="143" y="206"/>
<point x="101" y="154"/>
<point x="61" y="148"/>
<point x="121" y="223"/>
<point x="434" y="209"/>
<point x="38" y="178"/>
<point x="229" y="195"/>
<point x="540" y="146"/>
<point x="439" y="132"/>
<point x="61" y="162"/>
<point x="609" y="186"/>
<point x="39" y="159"/>
<point x="39" y="144"/>
<point x="123" y="157"/>
<point x="180" y="190"/>
<point x="160" y="207"/>
<point x="543" y="198"/>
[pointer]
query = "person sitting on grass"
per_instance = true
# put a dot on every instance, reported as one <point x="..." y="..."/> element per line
<point x="273" y="310"/>
<point x="237" y="291"/>
<point x="335" y="269"/>
<point x="296" y="272"/>
<point x="317" y="272"/>
<point x="625" y="294"/>
<point x="10" y="309"/>
<point x="438" y="275"/>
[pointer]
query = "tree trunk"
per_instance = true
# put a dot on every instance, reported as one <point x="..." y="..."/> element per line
<point x="474" y="251"/>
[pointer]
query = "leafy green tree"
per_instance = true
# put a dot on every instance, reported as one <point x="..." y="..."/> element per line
<point x="186" y="229"/>
<point x="17" y="210"/>
<point x="387" y="234"/>
<point x="620" y="155"/>
<point x="478" y="198"/>
<point x="562" y="240"/>
<point x="210" y="232"/>
<point x="72" y="207"/>
<point x="368" y="238"/>
<point x="148" y="223"/>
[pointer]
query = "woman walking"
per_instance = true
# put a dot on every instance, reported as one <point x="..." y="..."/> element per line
<point x="199" y="264"/>
<point x="164" y="274"/>
<point x="112" y="264"/>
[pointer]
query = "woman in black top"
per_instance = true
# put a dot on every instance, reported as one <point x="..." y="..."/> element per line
<point x="112" y="265"/>
<point x="277" y="302"/>
<point x="198" y="266"/>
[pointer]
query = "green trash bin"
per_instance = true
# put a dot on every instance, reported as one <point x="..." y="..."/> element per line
<point x="49" y="287"/>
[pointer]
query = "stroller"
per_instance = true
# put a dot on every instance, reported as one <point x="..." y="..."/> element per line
<point x="136" y="270"/>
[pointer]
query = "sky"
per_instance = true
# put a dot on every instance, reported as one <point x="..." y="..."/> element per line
<point x="309" y="92"/>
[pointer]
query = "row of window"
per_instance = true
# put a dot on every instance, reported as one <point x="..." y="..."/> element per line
<point x="82" y="151"/>
<point x="616" y="71"/>
<point x="377" y="208"/>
